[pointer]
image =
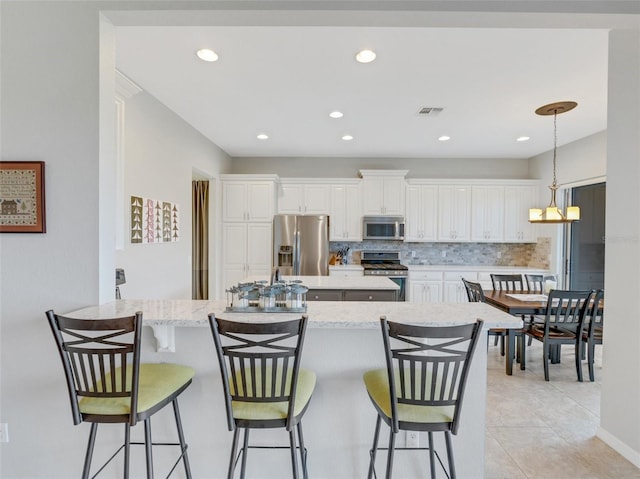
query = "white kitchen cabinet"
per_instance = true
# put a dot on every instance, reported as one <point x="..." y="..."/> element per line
<point x="517" y="201"/>
<point x="421" y="218"/>
<point x="304" y="198"/>
<point x="425" y="287"/>
<point x="487" y="214"/>
<point x="383" y="192"/>
<point x="454" y="290"/>
<point x="345" y="213"/>
<point x="246" y="251"/>
<point x="454" y="209"/>
<point x="248" y="198"/>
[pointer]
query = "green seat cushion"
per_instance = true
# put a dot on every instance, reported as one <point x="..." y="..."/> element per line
<point x="277" y="410"/>
<point x="157" y="382"/>
<point x="377" y="384"/>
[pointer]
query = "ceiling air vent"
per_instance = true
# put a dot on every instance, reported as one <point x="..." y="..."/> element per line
<point x="429" y="111"/>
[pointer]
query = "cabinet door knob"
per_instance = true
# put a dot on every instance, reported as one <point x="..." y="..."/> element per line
<point x="370" y="297"/>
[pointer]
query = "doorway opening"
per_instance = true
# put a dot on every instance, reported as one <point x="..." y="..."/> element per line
<point x="584" y="244"/>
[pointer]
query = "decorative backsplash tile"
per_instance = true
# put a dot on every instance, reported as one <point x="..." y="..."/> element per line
<point x="533" y="255"/>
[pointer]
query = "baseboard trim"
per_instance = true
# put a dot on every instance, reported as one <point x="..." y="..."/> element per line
<point x="619" y="446"/>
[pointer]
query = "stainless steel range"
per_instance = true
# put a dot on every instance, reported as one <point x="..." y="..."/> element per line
<point x="386" y="263"/>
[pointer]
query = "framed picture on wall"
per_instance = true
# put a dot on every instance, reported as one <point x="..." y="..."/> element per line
<point x="22" y="197"/>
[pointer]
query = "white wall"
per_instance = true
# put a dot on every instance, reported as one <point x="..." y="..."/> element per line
<point x="50" y="112"/>
<point x="161" y="151"/>
<point x="50" y="88"/>
<point x="620" y="426"/>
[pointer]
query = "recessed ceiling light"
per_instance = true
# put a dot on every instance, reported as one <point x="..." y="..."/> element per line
<point x="336" y="114"/>
<point x="207" y="55"/>
<point x="444" y="138"/>
<point x="347" y="137"/>
<point x="263" y="136"/>
<point x="365" y="56"/>
<point x="523" y="138"/>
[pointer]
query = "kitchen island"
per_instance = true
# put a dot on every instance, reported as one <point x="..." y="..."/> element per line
<point x="343" y="340"/>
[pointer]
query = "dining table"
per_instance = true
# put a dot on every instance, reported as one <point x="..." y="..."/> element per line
<point x="517" y="303"/>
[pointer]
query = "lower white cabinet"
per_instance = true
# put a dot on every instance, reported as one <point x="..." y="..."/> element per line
<point x="434" y="286"/>
<point x="246" y="251"/>
<point x="454" y="290"/>
<point x="425" y="287"/>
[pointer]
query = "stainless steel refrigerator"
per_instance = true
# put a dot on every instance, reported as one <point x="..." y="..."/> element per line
<point x="301" y="245"/>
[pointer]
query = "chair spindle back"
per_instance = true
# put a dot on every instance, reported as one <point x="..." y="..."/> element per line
<point x="428" y="365"/>
<point x="101" y="358"/>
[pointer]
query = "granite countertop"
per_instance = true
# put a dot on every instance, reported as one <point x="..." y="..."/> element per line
<point x="463" y="267"/>
<point x="341" y="282"/>
<point x="322" y="314"/>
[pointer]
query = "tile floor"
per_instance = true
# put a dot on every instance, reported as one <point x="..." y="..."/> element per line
<point x="537" y="429"/>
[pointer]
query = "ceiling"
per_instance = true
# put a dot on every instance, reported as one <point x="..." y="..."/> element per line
<point x="284" y="81"/>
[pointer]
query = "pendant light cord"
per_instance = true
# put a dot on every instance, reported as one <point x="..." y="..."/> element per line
<point x="555" y="142"/>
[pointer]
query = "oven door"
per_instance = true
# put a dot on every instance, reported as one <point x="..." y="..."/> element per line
<point x="402" y="282"/>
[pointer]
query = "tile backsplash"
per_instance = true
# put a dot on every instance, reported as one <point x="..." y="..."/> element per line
<point x="533" y="255"/>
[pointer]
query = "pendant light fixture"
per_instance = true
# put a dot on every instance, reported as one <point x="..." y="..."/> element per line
<point x="553" y="214"/>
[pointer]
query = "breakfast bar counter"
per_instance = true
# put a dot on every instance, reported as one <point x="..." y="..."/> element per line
<point x="343" y="341"/>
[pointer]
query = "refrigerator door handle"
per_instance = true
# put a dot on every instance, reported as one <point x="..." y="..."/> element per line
<point x="296" y="254"/>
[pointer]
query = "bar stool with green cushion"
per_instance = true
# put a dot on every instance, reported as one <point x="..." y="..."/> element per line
<point x="264" y="385"/>
<point x="108" y="384"/>
<point x="422" y="387"/>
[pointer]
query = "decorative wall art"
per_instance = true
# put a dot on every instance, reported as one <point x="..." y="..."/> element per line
<point x="22" y="197"/>
<point x="153" y="221"/>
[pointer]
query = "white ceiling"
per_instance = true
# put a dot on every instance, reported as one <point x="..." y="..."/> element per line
<point x="284" y="81"/>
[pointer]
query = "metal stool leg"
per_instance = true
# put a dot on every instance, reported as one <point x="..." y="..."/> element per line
<point x="89" y="454"/>
<point x="148" y="446"/>
<point x="245" y="450"/>
<point x="392" y="444"/>
<point x="374" y="449"/>
<point x="303" y="452"/>
<point x="183" y="444"/>
<point x="234" y="451"/>
<point x="432" y="456"/>
<point x="452" y="466"/>
<point x="294" y="453"/>
<point x="127" y="449"/>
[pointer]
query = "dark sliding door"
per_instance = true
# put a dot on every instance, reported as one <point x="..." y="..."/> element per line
<point x="586" y="238"/>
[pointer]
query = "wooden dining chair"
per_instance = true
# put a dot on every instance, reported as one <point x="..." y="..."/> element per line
<point x="475" y="294"/>
<point x="535" y="283"/>
<point x="507" y="282"/>
<point x="422" y="387"/>
<point x="563" y="320"/>
<point x="591" y="331"/>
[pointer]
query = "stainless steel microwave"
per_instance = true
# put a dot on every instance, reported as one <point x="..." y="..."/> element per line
<point x="383" y="227"/>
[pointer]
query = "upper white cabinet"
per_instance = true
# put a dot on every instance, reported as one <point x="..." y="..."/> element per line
<point x="247" y="251"/>
<point x="303" y="197"/>
<point x="454" y="209"/>
<point x="345" y="214"/>
<point x="421" y="217"/>
<point x="517" y="201"/>
<point x="383" y="192"/>
<point x="487" y="214"/>
<point x="248" y="197"/>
